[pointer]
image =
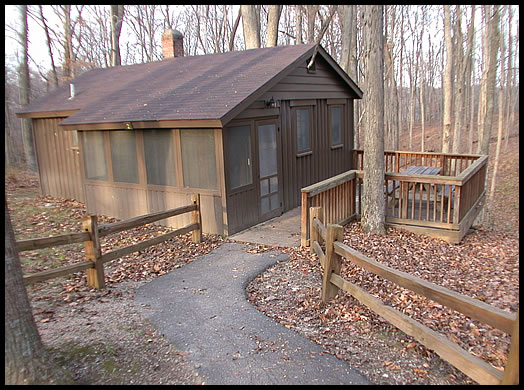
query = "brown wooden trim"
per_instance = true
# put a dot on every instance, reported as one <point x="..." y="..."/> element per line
<point x="46" y="114"/>
<point x="167" y="124"/>
<point x="302" y="102"/>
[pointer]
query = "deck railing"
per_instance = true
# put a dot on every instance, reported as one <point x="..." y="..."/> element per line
<point x="443" y="205"/>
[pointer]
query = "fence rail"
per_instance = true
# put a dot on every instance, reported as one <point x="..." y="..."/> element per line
<point x="91" y="239"/>
<point x="476" y="368"/>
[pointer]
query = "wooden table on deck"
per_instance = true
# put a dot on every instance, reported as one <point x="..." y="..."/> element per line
<point x="421" y="170"/>
<point x="413" y="170"/>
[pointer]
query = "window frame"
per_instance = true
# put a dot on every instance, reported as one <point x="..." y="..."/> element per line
<point x="342" y="123"/>
<point x="309" y="149"/>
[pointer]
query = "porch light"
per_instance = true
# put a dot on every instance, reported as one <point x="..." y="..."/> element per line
<point x="128" y="125"/>
<point x="271" y="103"/>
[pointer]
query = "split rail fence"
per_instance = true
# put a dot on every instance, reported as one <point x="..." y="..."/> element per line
<point x="92" y="233"/>
<point x="477" y="369"/>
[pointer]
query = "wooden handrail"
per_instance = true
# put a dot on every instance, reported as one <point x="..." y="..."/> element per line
<point x="473" y="308"/>
<point x="474" y="367"/>
<point x="48" y="242"/>
<point x="92" y="234"/>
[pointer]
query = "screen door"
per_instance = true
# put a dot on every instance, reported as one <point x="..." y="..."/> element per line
<point x="268" y="170"/>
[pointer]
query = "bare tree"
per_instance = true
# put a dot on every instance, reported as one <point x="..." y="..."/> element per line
<point x="25" y="93"/>
<point x="373" y="217"/>
<point x="448" y="81"/>
<point x="117" y="13"/>
<point x="486" y="102"/>
<point x="298" y="12"/>
<point x="26" y="360"/>
<point x="251" y="26"/>
<point x="272" y="24"/>
<point x="49" y="48"/>
<point x="501" y="113"/>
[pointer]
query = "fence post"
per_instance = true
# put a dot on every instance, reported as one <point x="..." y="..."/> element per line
<point x="511" y="371"/>
<point x="333" y="261"/>
<point x="304" y="236"/>
<point x="196" y="218"/>
<point x="95" y="276"/>
<point x="314" y="212"/>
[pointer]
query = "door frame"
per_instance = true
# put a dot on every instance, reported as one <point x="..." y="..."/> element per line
<point x="279" y="210"/>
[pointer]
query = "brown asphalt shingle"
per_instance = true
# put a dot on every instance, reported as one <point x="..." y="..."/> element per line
<point x="182" y="88"/>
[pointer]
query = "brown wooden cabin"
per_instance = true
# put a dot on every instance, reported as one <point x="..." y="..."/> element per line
<point x="246" y="129"/>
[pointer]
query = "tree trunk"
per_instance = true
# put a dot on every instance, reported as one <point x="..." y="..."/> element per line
<point x="49" y="49"/>
<point x="25" y="93"/>
<point x="373" y="206"/>
<point x="251" y="26"/>
<point x="26" y="360"/>
<point x="490" y="79"/>
<point x="446" y="116"/>
<point x="298" y="38"/>
<point x="501" y="114"/>
<point x="460" y="86"/>
<point x="273" y="18"/>
<point x="117" y="13"/>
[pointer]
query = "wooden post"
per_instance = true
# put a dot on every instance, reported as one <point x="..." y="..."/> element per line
<point x="333" y="262"/>
<point x="304" y="236"/>
<point x="95" y="276"/>
<point x="511" y="371"/>
<point x="196" y="218"/>
<point x="314" y="212"/>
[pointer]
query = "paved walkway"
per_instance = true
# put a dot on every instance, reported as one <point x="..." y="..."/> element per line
<point x="202" y="309"/>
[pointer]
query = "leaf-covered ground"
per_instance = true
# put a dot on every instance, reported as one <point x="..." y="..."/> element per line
<point x="70" y="315"/>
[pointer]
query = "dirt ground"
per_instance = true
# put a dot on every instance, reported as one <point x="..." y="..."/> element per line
<point x="101" y="339"/>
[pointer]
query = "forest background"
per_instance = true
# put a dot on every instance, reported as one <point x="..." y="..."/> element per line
<point x="456" y="66"/>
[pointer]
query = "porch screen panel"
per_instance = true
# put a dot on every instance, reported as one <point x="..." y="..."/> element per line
<point x="239" y="156"/>
<point x="123" y="156"/>
<point x="198" y="158"/>
<point x="94" y="155"/>
<point x="160" y="157"/>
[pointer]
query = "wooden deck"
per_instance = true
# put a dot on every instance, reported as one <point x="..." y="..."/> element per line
<point x="429" y="193"/>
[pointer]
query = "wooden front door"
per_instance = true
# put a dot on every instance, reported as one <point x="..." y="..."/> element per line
<point x="269" y="171"/>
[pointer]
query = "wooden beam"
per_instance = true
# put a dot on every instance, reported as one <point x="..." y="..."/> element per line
<point x="46" y="242"/>
<point x="473" y="308"/>
<point x="116" y="227"/>
<point x="56" y="272"/>
<point x="145" y="244"/>
<point x="470" y="365"/>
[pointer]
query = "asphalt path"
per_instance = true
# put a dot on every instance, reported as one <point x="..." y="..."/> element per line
<point x="202" y="309"/>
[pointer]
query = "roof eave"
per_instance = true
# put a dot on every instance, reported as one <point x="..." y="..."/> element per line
<point x="138" y="125"/>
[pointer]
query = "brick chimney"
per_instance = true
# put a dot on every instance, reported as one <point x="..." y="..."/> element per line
<point x="172" y="43"/>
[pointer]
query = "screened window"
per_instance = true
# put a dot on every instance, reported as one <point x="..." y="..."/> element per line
<point x="336" y="125"/>
<point x="123" y="156"/>
<point x="94" y="155"/>
<point x="198" y="158"/>
<point x="160" y="157"/>
<point x="303" y="130"/>
<point x="239" y="156"/>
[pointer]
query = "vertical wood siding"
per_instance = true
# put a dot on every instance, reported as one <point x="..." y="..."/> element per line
<point x="58" y="161"/>
<point x="324" y="161"/>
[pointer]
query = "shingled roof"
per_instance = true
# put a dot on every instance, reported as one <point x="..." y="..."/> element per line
<point x="207" y="87"/>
